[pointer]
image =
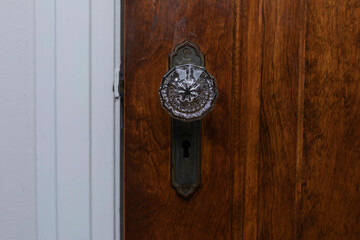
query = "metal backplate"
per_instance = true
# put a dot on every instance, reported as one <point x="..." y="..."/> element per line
<point x="185" y="161"/>
<point x="186" y="53"/>
<point x="186" y="136"/>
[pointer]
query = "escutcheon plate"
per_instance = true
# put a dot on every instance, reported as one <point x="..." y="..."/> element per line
<point x="187" y="92"/>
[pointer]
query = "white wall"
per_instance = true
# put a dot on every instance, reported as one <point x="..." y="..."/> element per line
<point x="57" y="128"/>
<point x="17" y="121"/>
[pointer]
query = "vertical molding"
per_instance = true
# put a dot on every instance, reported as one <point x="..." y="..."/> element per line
<point x="73" y="123"/>
<point x="118" y="168"/>
<point x="300" y="118"/>
<point x="102" y="119"/>
<point x="75" y="119"/>
<point x="238" y="171"/>
<point x="45" y="120"/>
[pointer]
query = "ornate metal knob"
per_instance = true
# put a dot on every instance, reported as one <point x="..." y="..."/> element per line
<point x="188" y="92"/>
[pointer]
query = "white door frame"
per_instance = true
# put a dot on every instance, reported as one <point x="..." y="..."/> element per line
<point x="77" y="121"/>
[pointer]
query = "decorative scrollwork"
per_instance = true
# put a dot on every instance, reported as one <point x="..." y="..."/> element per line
<point x="188" y="92"/>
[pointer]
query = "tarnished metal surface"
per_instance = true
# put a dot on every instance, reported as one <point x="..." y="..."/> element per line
<point x="186" y="53"/>
<point x="185" y="159"/>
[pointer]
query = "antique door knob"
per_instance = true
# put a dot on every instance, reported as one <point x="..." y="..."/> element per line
<point x="188" y="92"/>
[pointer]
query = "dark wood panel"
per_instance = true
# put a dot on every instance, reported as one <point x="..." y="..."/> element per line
<point x="281" y="80"/>
<point x="280" y="151"/>
<point x="153" y="210"/>
<point x="245" y="116"/>
<point x="331" y="166"/>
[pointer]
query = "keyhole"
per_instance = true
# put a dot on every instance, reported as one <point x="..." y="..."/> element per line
<point x="186" y="145"/>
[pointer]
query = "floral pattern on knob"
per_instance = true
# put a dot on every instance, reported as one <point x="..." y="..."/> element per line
<point x="188" y="92"/>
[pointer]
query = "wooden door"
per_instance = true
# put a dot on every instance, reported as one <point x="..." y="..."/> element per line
<point x="281" y="149"/>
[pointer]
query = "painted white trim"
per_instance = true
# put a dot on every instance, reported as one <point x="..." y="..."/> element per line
<point x="73" y="118"/>
<point x="117" y="130"/>
<point x="102" y="119"/>
<point x="45" y="120"/>
<point x="76" y="149"/>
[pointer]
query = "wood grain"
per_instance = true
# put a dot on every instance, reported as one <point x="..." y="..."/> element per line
<point x="153" y="210"/>
<point x="331" y="166"/>
<point x="279" y="117"/>
<point x="245" y="116"/>
<point x="280" y="151"/>
<point x="267" y="108"/>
